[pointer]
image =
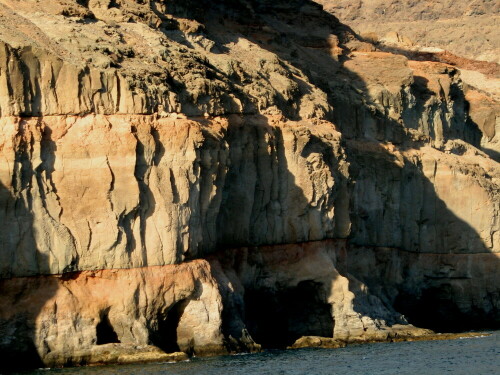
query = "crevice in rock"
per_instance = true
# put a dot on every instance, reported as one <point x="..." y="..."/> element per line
<point x="276" y="318"/>
<point x="173" y="185"/>
<point x="125" y="225"/>
<point x="159" y="147"/>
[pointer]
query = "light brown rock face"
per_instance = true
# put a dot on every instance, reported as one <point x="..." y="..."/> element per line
<point x="485" y="112"/>
<point x="225" y="176"/>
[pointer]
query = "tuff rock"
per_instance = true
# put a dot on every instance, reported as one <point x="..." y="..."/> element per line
<point x="215" y="177"/>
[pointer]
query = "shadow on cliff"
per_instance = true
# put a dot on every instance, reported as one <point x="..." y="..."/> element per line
<point x="22" y="296"/>
<point x="412" y="218"/>
<point x="298" y="32"/>
<point x="263" y="204"/>
<point x="277" y="210"/>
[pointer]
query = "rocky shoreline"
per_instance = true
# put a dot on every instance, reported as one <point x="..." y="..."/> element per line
<point x="122" y="354"/>
<point x="314" y="294"/>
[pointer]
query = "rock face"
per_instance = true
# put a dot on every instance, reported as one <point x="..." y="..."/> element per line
<point x="459" y="33"/>
<point x="132" y="191"/>
<point x="221" y="177"/>
<point x="466" y="28"/>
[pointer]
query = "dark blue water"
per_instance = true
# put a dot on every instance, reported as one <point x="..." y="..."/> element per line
<point x="471" y="356"/>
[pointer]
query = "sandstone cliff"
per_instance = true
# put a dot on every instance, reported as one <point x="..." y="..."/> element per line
<point x="217" y="177"/>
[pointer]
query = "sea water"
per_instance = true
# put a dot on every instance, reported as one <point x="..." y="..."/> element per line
<point x="467" y="356"/>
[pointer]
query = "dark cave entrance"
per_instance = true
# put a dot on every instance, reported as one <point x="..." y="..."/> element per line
<point x="277" y="318"/>
<point x="105" y="332"/>
<point x="164" y="334"/>
<point x="436" y="308"/>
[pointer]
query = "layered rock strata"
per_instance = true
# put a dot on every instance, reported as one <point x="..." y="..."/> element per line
<point x="99" y="192"/>
<point x="212" y="178"/>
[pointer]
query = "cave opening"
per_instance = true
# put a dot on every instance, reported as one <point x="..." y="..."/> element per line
<point x="436" y="308"/>
<point x="105" y="332"/>
<point x="164" y="333"/>
<point x="276" y="318"/>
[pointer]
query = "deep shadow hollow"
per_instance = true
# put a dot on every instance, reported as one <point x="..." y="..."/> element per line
<point x="164" y="332"/>
<point x="276" y="318"/>
<point x="105" y="332"/>
<point x="436" y="308"/>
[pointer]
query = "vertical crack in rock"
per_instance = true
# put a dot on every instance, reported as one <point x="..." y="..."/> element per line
<point x="173" y="186"/>
<point x="111" y="185"/>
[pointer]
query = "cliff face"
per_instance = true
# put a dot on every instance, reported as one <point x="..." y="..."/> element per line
<point x="219" y="177"/>
<point x="466" y="28"/>
<point x="460" y="33"/>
